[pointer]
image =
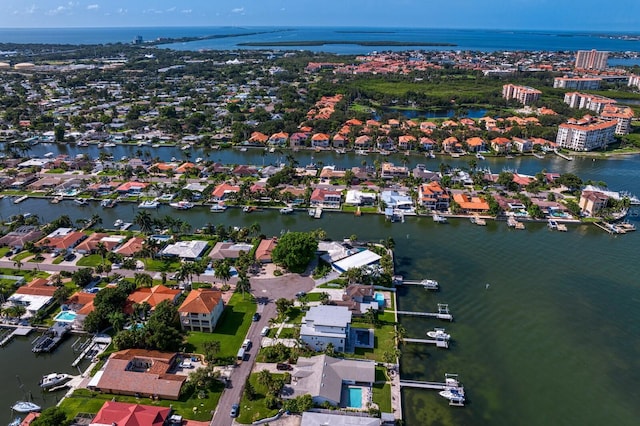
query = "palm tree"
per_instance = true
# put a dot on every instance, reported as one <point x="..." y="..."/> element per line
<point x="254" y="229"/>
<point x="211" y="349"/>
<point x="265" y="378"/>
<point x="101" y="248"/>
<point x="17" y="263"/>
<point x="144" y="221"/>
<point x="96" y="219"/>
<point x="243" y="284"/>
<point x="222" y="270"/>
<point x="142" y="280"/>
<point x="399" y="333"/>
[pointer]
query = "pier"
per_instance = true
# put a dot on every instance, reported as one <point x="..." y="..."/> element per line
<point x="450" y="389"/>
<point x="513" y="223"/>
<point x="50" y="338"/>
<point x="18" y="331"/>
<point x="443" y="313"/>
<point x="426" y="283"/>
<point x="561" y="155"/>
<point x="92" y="348"/>
<point x="21" y="199"/>
<point x="439" y="343"/>
<point x="611" y="228"/>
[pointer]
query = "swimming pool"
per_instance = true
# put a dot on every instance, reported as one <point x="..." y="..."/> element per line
<point x="354" y="397"/>
<point x="65" y="316"/>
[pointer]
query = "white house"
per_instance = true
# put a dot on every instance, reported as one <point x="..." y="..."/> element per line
<point x="201" y="310"/>
<point x="326" y="324"/>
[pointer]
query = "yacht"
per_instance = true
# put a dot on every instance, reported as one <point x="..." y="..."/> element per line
<point x="218" y="208"/>
<point x="49" y="154"/>
<point x="286" y="210"/>
<point x="25" y="407"/>
<point x="479" y="156"/>
<point x="80" y="201"/>
<point x="361" y="152"/>
<point x="430" y="284"/>
<point x="108" y="203"/>
<point x="455" y="395"/>
<point x="438" y="334"/>
<point x="199" y="160"/>
<point x="53" y="379"/>
<point x="182" y="205"/>
<point x="149" y="205"/>
<point x="109" y="145"/>
<point x="118" y="223"/>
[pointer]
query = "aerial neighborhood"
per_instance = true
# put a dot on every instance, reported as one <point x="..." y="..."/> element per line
<point x="211" y="324"/>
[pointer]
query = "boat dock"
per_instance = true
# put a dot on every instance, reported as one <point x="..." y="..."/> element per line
<point x="451" y="384"/>
<point x="443" y="313"/>
<point x="18" y="331"/>
<point x="612" y="228"/>
<point x="21" y="199"/>
<point x="513" y="223"/>
<point x="540" y="156"/>
<point x="423" y="385"/>
<point x="561" y="155"/>
<point x="439" y="343"/>
<point x="477" y="220"/>
<point x="426" y="283"/>
<point x="92" y="348"/>
<point x="50" y="338"/>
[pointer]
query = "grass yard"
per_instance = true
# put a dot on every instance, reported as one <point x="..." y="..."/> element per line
<point x="27" y="274"/>
<point x="4" y="250"/>
<point x="382" y="396"/>
<point x="22" y="256"/>
<point x="230" y="331"/>
<point x="295" y="315"/>
<point x="251" y="411"/>
<point x="383" y="341"/>
<point x="85" y="401"/>
<point x="288" y="333"/>
<point x="58" y="260"/>
<point x="92" y="260"/>
<point x="158" y="265"/>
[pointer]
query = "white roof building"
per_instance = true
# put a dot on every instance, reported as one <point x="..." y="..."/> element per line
<point x="358" y="260"/>
<point x="185" y="249"/>
<point x="324" y="325"/>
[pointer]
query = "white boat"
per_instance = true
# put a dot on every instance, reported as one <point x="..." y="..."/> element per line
<point x="80" y="201"/>
<point x="49" y="154"/>
<point x="199" y="160"/>
<point x="118" y="223"/>
<point x="108" y="203"/>
<point x="243" y="149"/>
<point x="286" y="210"/>
<point x="155" y="145"/>
<point x="109" y="145"/>
<point x="552" y="224"/>
<point x="430" y="284"/>
<point x="16" y="422"/>
<point x="361" y="152"/>
<point x="185" y="147"/>
<point x="341" y="151"/>
<point x="182" y="205"/>
<point x="174" y="159"/>
<point x="218" y="208"/>
<point x="53" y="379"/>
<point x="148" y="205"/>
<point x="439" y="219"/>
<point x="272" y="149"/>
<point x="25" y="407"/>
<point x="455" y="395"/>
<point x="479" y="156"/>
<point x="438" y="334"/>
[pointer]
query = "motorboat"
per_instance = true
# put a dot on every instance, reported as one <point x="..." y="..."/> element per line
<point x="341" y="151"/>
<point x="455" y="395"/>
<point x="16" y="422"/>
<point x="53" y="379"/>
<point x="286" y="210"/>
<point x="248" y="209"/>
<point x="479" y="156"/>
<point x="108" y="203"/>
<point x="199" y="160"/>
<point x="439" y="334"/>
<point x="49" y="154"/>
<point x="80" y="201"/>
<point x="109" y="145"/>
<point x="182" y="205"/>
<point x="25" y="407"/>
<point x="439" y="219"/>
<point x="430" y="284"/>
<point x="118" y="223"/>
<point x="153" y="204"/>
<point x="218" y="208"/>
<point x="361" y="152"/>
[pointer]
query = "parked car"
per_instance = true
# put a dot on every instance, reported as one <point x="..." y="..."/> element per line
<point x="256" y="317"/>
<point x="69" y="257"/>
<point x="246" y="344"/>
<point x="235" y="408"/>
<point x="301" y="294"/>
<point x="265" y="331"/>
<point x="283" y="367"/>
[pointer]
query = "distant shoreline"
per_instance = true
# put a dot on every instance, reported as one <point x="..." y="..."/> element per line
<point x="380" y="43"/>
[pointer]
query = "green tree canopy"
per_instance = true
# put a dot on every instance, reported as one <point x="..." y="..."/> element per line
<point x="295" y="250"/>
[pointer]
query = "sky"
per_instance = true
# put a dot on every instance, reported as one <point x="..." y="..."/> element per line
<point x="588" y="15"/>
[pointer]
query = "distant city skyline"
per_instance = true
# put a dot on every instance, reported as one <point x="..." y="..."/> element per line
<point x="587" y="15"/>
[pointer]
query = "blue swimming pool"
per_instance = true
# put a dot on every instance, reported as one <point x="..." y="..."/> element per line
<point x="354" y="397"/>
<point x="65" y="316"/>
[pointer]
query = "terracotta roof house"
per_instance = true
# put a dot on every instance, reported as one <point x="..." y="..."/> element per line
<point x="501" y="144"/>
<point x="90" y="245"/>
<point x="17" y="238"/>
<point x="353" y="122"/>
<point x="320" y="140"/>
<point x="279" y="138"/>
<point x="131" y="247"/>
<point x="153" y="296"/>
<point x="131" y="187"/>
<point x="389" y="171"/>
<point x="363" y="141"/>
<point x="451" y="144"/>
<point x="298" y="139"/>
<point x="475" y="144"/>
<point x="339" y="140"/>
<point x="244" y="170"/>
<point x="62" y="239"/>
<point x="263" y="252"/>
<point x="427" y="143"/>
<point x="258" y="137"/>
<point x="433" y="197"/>
<point x="321" y="197"/>
<point x="201" y="310"/>
<point x="471" y="204"/>
<point x="185" y="167"/>
<point x="406" y="141"/>
<point x="38" y="287"/>
<point x="139" y="372"/>
<point x="126" y="414"/>
<point x="223" y="191"/>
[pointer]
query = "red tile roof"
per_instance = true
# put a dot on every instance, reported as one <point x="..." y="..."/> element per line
<point x="126" y="414"/>
<point x="201" y="301"/>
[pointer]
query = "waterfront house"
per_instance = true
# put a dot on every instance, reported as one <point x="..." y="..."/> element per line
<point x="61" y="240"/>
<point x="470" y="204"/>
<point x="131" y="247"/>
<point x="356" y="259"/>
<point x="224" y="191"/>
<point x="90" y="245"/>
<point x="427" y="144"/>
<point x="320" y="140"/>
<point x="34" y="296"/>
<point x="475" y="144"/>
<point x="324" y="324"/>
<point x="131" y="188"/>
<point x="17" y="238"/>
<point x="264" y="249"/>
<point x="151" y="296"/>
<point x="326" y="198"/>
<point x="406" y="142"/>
<point x="501" y="145"/>
<point x="591" y="202"/>
<point x="128" y="414"/>
<point x="362" y="142"/>
<point x="243" y="170"/>
<point x="423" y="174"/>
<point x="432" y="196"/>
<point x="355" y="197"/>
<point x="258" y="138"/>
<point x="397" y="200"/>
<point x="390" y="171"/>
<point x="330" y="172"/>
<point x="451" y="144"/>
<point x="201" y="310"/>
<point x="298" y="139"/>
<point x="279" y="138"/>
<point x="339" y="141"/>
<point x="338" y="418"/>
<point x="522" y="145"/>
<point x="326" y="378"/>
<point x="185" y="250"/>
<point x="141" y="373"/>
<point x="229" y="250"/>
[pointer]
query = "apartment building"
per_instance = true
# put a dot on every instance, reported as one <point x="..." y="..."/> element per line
<point x="523" y="94"/>
<point x="579" y="136"/>
<point x="587" y="101"/>
<point x="634" y="80"/>
<point x="591" y="59"/>
<point x="622" y="115"/>
<point x="577" y="83"/>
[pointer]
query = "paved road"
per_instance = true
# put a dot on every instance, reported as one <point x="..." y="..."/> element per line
<point x="266" y="291"/>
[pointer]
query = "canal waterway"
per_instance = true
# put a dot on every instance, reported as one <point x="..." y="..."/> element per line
<point x="553" y="339"/>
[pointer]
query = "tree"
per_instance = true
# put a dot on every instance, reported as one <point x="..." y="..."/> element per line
<point x="243" y="284"/>
<point x="17" y="263"/>
<point x="325" y="298"/>
<point x="330" y="349"/>
<point x="142" y="280"/>
<point x="82" y="277"/>
<point x="399" y="333"/>
<point x="52" y="416"/>
<point x="102" y="250"/>
<point x="211" y="349"/>
<point x="295" y="250"/>
<point x="249" y="390"/>
<point x="283" y="305"/>
<point x="222" y="270"/>
<point x="61" y="294"/>
<point x="144" y="221"/>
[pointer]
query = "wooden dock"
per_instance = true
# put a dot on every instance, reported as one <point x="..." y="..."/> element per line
<point x="512" y="222"/>
<point x="439" y="343"/>
<point x="18" y="331"/>
<point x="612" y="228"/>
<point x="423" y="385"/>
<point x="443" y="313"/>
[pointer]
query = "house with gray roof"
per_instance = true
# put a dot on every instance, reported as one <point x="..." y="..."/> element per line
<point x="191" y="250"/>
<point x="337" y="419"/>
<point x="326" y="324"/>
<point x="327" y="379"/>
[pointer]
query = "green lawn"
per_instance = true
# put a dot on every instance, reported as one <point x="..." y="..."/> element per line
<point x="27" y="274"/>
<point x="382" y="397"/>
<point x="159" y="265"/>
<point x="85" y="401"/>
<point x="251" y="411"/>
<point x="230" y="331"/>
<point x="383" y="341"/>
<point x="288" y="333"/>
<point x="3" y="251"/>
<point x="21" y="256"/>
<point x="58" y="260"/>
<point x="313" y="297"/>
<point x="295" y="315"/>
<point x="92" y="260"/>
<point x="387" y="317"/>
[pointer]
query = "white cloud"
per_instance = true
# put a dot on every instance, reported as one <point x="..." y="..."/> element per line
<point x="237" y="10"/>
<point x="186" y="11"/>
<point x="122" y="11"/>
<point x="31" y="10"/>
<point x="58" y="10"/>
<point x="171" y="9"/>
<point x="93" y="7"/>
